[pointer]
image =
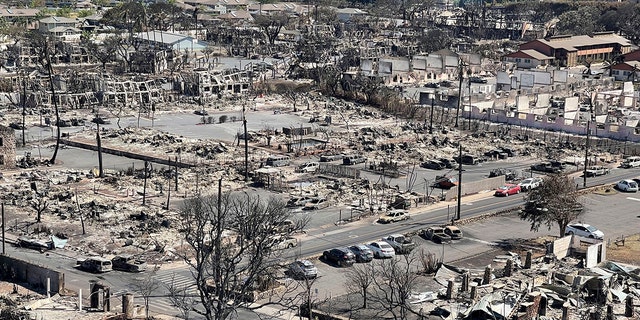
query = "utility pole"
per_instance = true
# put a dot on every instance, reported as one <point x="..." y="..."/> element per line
<point x="586" y="147"/>
<point x="24" y="110"/>
<point x="469" y="114"/>
<point x="431" y="116"/>
<point x="459" y="181"/>
<point x="460" y="74"/>
<point x="246" y="145"/>
<point x="3" y="252"/>
<point x="144" y="189"/>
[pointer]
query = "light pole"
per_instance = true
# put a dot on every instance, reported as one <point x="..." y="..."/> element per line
<point x="431" y="116"/>
<point x="586" y="147"/>
<point x="459" y="181"/>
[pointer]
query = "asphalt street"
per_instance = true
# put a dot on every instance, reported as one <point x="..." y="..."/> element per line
<point x="615" y="214"/>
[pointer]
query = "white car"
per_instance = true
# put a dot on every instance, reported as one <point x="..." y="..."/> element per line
<point x="382" y="249"/>
<point x="627" y="185"/>
<point x="530" y="183"/>
<point x="583" y="230"/>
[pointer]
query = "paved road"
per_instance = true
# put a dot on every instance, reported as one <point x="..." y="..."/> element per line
<point x="615" y="214"/>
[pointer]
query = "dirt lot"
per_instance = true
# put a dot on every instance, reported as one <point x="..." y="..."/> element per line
<point x="627" y="251"/>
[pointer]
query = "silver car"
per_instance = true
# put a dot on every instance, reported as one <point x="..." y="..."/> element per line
<point x="303" y="269"/>
<point x="627" y="186"/>
<point x="584" y="230"/>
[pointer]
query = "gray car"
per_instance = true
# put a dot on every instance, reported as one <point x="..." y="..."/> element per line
<point x="302" y="269"/>
<point x="362" y="253"/>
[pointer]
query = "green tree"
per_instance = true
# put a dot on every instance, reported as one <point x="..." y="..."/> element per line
<point x="629" y="21"/>
<point x="581" y="21"/>
<point x="271" y="25"/>
<point x="553" y="203"/>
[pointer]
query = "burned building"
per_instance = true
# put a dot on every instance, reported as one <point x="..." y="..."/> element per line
<point x="7" y="148"/>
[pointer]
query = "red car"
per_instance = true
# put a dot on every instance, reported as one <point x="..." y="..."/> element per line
<point x="507" y="190"/>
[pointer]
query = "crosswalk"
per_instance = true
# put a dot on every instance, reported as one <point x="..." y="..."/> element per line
<point x="160" y="301"/>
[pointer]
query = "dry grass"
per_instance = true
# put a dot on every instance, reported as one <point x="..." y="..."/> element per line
<point x="629" y="252"/>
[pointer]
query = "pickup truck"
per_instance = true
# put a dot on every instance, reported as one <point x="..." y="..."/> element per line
<point x="595" y="171"/>
<point x="128" y="263"/>
<point x="400" y="243"/>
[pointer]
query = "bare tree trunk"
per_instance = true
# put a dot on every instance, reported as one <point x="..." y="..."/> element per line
<point x="55" y="103"/>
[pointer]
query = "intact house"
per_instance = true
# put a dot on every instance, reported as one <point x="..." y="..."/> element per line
<point x="570" y="51"/>
<point x="63" y="28"/>
<point x="528" y="59"/>
<point x="626" y="71"/>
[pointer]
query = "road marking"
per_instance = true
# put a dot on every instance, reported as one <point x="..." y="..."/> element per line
<point x="634" y="199"/>
<point x="482" y="241"/>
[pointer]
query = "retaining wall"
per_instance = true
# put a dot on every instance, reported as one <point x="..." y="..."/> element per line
<point x="127" y="154"/>
<point x="19" y="270"/>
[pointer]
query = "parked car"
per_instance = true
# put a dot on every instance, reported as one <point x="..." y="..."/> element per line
<point x="549" y="167"/>
<point x="445" y="182"/>
<point x="507" y="190"/>
<point x="342" y="257"/>
<point x="381" y="249"/>
<point x="449" y="163"/>
<point x="627" y="185"/>
<point x="95" y="264"/>
<point x="331" y="157"/>
<point x="446" y="83"/>
<point x="530" y="183"/>
<point x="284" y="226"/>
<point x="34" y="243"/>
<point x="394" y="216"/>
<point x="454" y="232"/>
<point x="353" y="159"/>
<point x="433" y="165"/>
<point x="129" y="263"/>
<point x="509" y="174"/>
<point x="432" y="85"/>
<point x="302" y="269"/>
<point x="476" y="79"/>
<point x="362" y="253"/>
<point x="435" y="234"/>
<point x="595" y="171"/>
<point x="298" y="201"/>
<point x="281" y="242"/>
<point x="400" y="243"/>
<point x="583" y="230"/>
<point x="630" y="162"/>
<point x="308" y="167"/>
<point x="316" y="204"/>
<point x="468" y="159"/>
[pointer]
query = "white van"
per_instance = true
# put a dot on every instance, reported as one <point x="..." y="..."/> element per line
<point x="308" y="167"/>
<point x="631" y="162"/>
<point x="278" y="161"/>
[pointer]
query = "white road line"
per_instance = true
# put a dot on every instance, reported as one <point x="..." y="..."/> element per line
<point x="634" y="199"/>
<point x="482" y="241"/>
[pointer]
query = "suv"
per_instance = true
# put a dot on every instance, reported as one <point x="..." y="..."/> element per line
<point x="353" y="159"/>
<point x="433" y="165"/>
<point x="454" y="232"/>
<point x="394" y="216"/>
<point x="343" y="257"/>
